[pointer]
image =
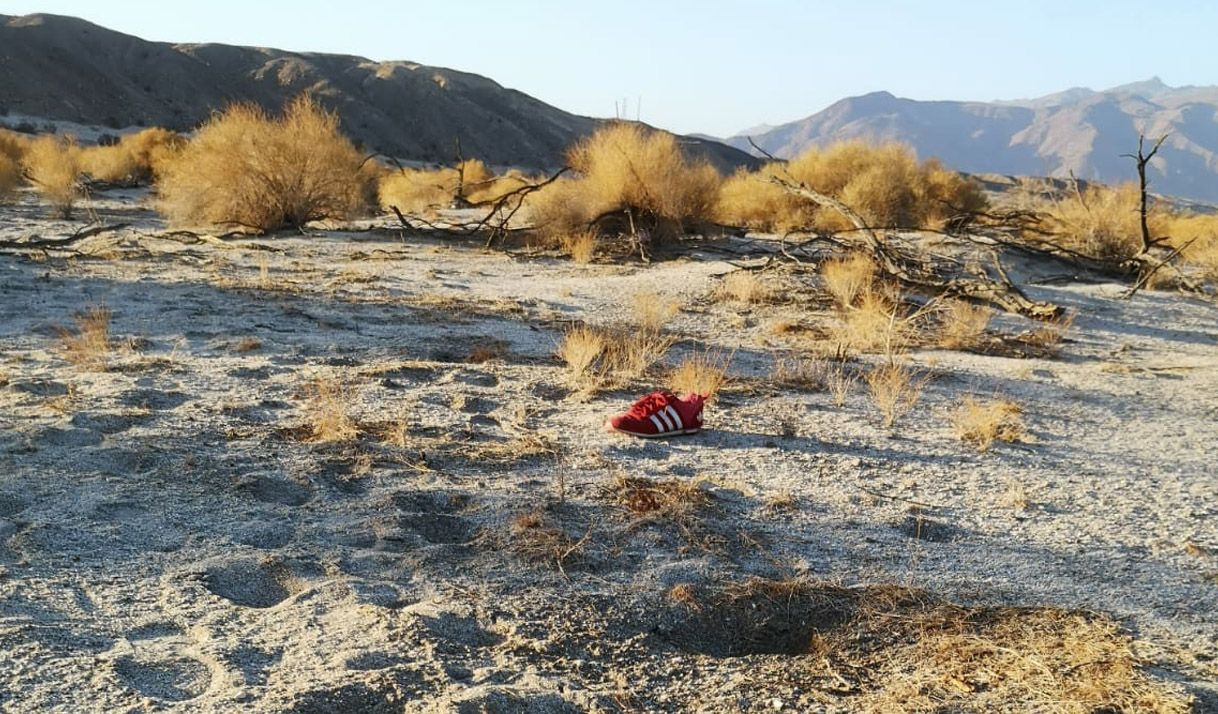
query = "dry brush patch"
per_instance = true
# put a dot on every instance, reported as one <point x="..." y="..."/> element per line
<point x="748" y="288"/>
<point x="89" y="344"/>
<point x="245" y="168"/>
<point x="629" y="180"/>
<point x="983" y="422"/>
<point x="701" y="373"/>
<point x="895" y="389"/>
<point x="327" y="410"/>
<point x="600" y="357"/>
<point x="10" y="176"/>
<point x="134" y="159"/>
<point x="52" y="165"/>
<point x="885" y="648"/>
<point x="885" y="183"/>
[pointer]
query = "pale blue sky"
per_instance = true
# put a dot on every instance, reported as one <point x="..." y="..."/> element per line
<point x="717" y="67"/>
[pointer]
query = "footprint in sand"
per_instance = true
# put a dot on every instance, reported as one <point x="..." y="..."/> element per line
<point x="269" y="489"/>
<point x="167" y="679"/>
<point x="431" y="515"/>
<point x="255" y="583"/>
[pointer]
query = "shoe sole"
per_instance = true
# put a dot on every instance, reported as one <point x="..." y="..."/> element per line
<point x="684" y="432"/>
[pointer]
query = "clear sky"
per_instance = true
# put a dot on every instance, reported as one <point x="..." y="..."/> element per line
<point x="717" y="67"/>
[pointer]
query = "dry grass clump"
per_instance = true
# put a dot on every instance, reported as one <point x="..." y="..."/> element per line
<point x="89" y="345"/>
<point x="678" y="502"/>
<point x="52" y="165"/>
<point x="849" y="278"/>
<point x="981" y="423"/>
<point x="248" y="169"/>
<point x="633" y="179"/>
<point x="134" y="159"/>
<point x="885" y="183"/>
<point x="895" y="389"/>
<point x="580" y="245"/>
<point x="747" y="288"/>
<point x="13" y="145"/>
<point x="700" y="373"/>
<point x="801" y="372"/>
<point x="652" y="311"/>
<point x="538" y="538"/>
<point x="599" y="357"/>
<point x="581" y="347"/>
<point x="962" y="325"/>
<point x="327" y="412"/>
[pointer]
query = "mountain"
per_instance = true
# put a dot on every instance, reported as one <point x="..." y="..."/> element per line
<point x="64" y="68"/>
<point x="1079" y="130"/>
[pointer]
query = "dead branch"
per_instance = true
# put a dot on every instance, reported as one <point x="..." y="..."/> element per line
<point x="1142" y="159"/>
<point x="33" y="243"/>
<point x="919" y="272"/>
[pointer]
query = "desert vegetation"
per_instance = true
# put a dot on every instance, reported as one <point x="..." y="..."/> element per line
<point x="247" y="169"/>
<point x="52" y="165"/>
<point x="884" y="183"/>
<point x="629" y="180"/>
<point x="134" y="159"/>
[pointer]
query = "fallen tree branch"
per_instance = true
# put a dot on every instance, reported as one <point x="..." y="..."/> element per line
<point x="915" y="271"/>
<point x="83" y="233"/>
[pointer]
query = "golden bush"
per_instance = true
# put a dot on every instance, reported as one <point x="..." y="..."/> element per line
<point x="10" y="175"/>
<point x="13" y="145"/>
<point x="246" y="168"/>
<point x="1102" y="221"/>
<point x="884" y="183"/>
<point x="134" y="159"/>
<point x="421" y="190"/>
<point x="52" y="164"/>
<point x="639" y="176"/>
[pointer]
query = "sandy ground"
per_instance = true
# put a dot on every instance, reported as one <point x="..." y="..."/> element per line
<point x="167" y="543"/>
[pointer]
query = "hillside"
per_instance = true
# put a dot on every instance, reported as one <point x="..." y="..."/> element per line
<point x="1078" y="130"/>
<point x="68" y="69"/>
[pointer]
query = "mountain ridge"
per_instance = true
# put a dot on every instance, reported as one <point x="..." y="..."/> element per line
<point x="65" y="68"/>
<point x="1077" y="131"/>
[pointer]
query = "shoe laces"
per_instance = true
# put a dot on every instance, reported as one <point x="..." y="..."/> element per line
<point x="649" y="404"/>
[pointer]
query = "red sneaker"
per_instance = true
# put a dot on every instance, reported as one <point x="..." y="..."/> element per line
<point x="660" y="414"/>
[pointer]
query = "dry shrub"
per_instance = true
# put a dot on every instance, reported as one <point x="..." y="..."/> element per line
<point x="637" y="175"/>
<point x="652" y="311"/>
<point x="962" y="325"/>
<point x="801" y="372"/>
<point x="874" y="324"/>
<point x="895" y="389"/>
<point x="840" y="381"/>
<point x="747" y="287"/>
<point x="10" y="176"/>
<point x="422" y="190"/>
<point x="53" y="166"/>
<point x="134" y="159"/>
<point x="1197" y="237"/>
<point x="13" y="145"/>
<point x="885" y="183"/>
<point x="700" y="373"/>
<point x="597" y="357"/>
<point x="981" y="423"/>
<point x="89" y="345"/>
<point x="631" y="353"/>
<point x="580" y="245"/>
<point x="749" y="199"/>
<point x="246" y="168"/>
<point x="848" y="278"/>
<point x="1101" y="221"/>
<point x="581" y="348"/>
<point x="327" y="415"/>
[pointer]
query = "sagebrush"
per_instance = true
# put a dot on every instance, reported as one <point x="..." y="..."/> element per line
<point x="248" y="169"/>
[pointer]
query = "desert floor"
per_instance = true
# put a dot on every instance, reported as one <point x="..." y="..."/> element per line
<point x="168" y="540"/>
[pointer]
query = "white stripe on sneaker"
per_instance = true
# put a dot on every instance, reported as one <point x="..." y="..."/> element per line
<point x="664" y="418"/>
<point x="675" y="417"/>
<point x="659" y="427"/>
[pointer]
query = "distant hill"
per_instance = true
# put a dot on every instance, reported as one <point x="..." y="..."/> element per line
<point x="67" y="69"/>
<point x="1079" y="130"/>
